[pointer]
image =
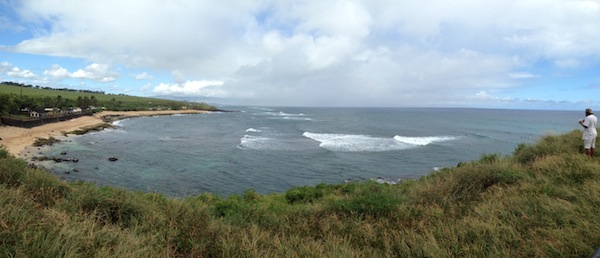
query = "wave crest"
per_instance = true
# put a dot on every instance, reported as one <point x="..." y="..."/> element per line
<point x="422" y="141"/>
<point x="358" y="143"/>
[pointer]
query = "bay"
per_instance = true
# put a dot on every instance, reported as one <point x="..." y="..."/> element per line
<point x="272" y="149"/>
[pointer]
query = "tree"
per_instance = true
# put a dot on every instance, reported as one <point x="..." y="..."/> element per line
<point x="5" y="103"/>
<point x="94" y="101"/>
<point x="59" y="101"/>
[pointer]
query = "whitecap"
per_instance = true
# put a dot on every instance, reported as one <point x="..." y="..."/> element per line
<point x="255" y="142"/>
<point x="252" y="130"/>
<point x="355" y="142"/>
<point x="422" y="141"/>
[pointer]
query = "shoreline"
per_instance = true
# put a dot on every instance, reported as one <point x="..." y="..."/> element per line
<point x="16" y="140"/>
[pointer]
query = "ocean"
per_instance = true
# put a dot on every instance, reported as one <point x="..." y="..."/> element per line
<point x="271" y="150"/>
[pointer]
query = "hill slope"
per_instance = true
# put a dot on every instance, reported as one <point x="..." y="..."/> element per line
<point x="14" y="96"/>
<point x="540" y="202"/>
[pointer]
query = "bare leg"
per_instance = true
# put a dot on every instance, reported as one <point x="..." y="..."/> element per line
<point x="592" y="150"/>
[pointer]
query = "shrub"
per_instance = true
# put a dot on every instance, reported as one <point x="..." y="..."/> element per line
<point x="4" y="153"/>
<point x="371" y="199"/>
<point x="227" y="207"/>
<point x="303" y="194"/>
<point x="489" y="158"/>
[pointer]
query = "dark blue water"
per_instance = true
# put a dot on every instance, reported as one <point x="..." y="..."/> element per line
<point x="274" y="149"/>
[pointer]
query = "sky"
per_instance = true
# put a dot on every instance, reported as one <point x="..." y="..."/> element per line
<point x="530" y="54"/>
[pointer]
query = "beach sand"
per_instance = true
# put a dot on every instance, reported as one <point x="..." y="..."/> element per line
<point x="16" y="139"/>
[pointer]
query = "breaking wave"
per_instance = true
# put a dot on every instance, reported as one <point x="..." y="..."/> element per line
<point x="358" y="143"/>
<point x="422" y="141"/>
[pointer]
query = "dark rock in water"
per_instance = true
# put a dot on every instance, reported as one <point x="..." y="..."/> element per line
<point x="75" y="170"/>
<point x="63" y="153"/>
<point x="67" y="172"/>
<point x="113" y="159"/>
<point x="75" y="160"/>
<point x="58" y="160"/>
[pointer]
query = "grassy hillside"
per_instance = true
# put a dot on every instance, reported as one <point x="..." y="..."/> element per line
<point x="542" y="201"/>
<point x="48" y="97"/>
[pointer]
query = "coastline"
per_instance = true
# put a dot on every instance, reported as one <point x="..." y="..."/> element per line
<point x="16" y="140"/>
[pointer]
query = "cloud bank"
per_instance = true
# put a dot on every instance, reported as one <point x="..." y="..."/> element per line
<point x="381" y="52"/>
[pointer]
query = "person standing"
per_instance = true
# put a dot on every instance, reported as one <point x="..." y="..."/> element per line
<point x="589" y="132"/>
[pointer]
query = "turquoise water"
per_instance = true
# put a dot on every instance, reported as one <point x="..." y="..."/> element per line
<point x="274" y="149"/>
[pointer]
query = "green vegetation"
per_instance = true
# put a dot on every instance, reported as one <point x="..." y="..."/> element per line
<point x="14" y="97"/>
<point x="42" y="142"/>
<point x="93" y="128"/>
<point x="542" y="201"/>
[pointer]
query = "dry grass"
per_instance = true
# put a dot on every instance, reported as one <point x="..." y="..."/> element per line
<point x="540" y="202"/>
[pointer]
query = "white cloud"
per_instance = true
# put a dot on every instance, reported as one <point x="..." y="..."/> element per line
<point x="567" y="63"/>
<point x="522" y="75"/>
<point x="95" y="72"/>
<point x="20" y="73"/>
<point x="380" y="52"/>
<point x="5" y="67"/>
<point x="143" y="76"/>
<point x="146" y="87"/>
<point x="56" y="71"/>
<point x="191" y="88"/>
<point x="178" y="76"/>
<point x="16" y="72"/>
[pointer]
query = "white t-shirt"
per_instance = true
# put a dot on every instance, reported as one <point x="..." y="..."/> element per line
<point x="590" y="131"/>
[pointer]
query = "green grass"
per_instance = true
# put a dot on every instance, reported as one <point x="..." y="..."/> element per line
<point x="111" y="101"/>
<point x="542" y="201"/>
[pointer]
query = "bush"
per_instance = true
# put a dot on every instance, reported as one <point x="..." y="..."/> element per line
<point x="4" y="153"/>
<point x="303" y="194"/>
<point x="371" y="199"/>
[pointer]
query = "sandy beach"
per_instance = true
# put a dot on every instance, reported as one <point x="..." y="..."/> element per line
<point x="17" y="139"/>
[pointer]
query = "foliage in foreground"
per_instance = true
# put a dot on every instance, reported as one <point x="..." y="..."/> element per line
<point x="540" y="202"/>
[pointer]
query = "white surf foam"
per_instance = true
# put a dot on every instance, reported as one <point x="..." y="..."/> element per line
<point x="166" y="138"/>
<point x="422" y="141"/>
<point x="355" y="142"/>
<point x="261" y="143"/>
<point x="252" y="130"/>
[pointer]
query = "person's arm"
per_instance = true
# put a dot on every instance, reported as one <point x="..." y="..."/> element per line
<point x="585" y="123"/>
